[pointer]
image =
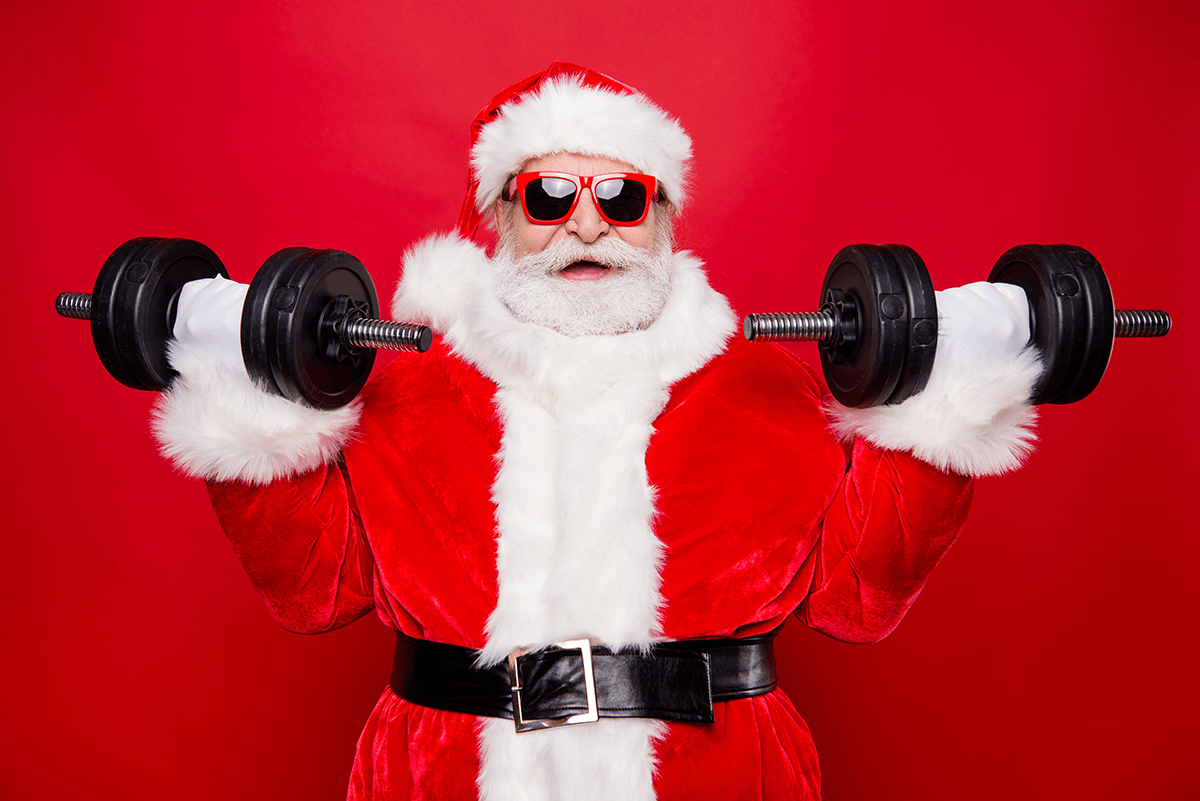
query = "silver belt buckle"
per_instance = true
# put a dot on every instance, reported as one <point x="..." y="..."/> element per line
<point x="584" y="647"/>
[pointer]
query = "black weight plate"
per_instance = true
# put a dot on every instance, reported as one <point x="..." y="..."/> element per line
<point x="280" y="325"/>
<point x="1100" y="316"/>
<point x="866" y="372"/>
<point x="258" y="323"/>
<point x="105" y="309"/>
<point x="1071" y="316"/>
<point x="133" y="305"/>
<point x="921" y="343"/>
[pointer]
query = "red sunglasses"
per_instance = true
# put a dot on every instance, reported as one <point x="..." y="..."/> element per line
<point x="549" y="198"/>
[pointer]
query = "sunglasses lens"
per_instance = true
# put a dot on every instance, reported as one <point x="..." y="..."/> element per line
<point x="549" y="199"/>
<point x="622" y="199"/>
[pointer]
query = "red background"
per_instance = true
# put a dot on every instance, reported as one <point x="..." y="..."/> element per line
<point x="1055" y="652"/>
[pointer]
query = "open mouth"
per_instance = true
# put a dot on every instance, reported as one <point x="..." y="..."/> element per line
<point x="584" y="271"/>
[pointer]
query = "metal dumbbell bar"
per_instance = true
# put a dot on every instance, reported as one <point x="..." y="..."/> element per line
<point x="360" y="332"/>
<point x="877" y="325"/>
<point x="310" y="323"/>
<point x="819" y="326"/>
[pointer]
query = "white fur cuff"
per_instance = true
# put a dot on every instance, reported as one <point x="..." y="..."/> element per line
<point x="213" y="423"/>
<point x="972" y="418"/>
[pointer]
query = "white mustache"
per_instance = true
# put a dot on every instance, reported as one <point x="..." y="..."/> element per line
<point x="607" y="251"/>
<point x="628" y="299"/>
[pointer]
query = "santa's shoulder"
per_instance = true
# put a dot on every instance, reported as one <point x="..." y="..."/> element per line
<point x="416" y="384"/>
<point x="763" y="377"/>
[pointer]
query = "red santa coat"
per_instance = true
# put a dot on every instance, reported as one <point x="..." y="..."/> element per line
<point x="478" y="504"/>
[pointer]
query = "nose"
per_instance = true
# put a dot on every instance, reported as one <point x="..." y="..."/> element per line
<point x="585" y="222"/>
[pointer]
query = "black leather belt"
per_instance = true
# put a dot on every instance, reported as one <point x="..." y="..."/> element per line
<point x="577" y="682"/>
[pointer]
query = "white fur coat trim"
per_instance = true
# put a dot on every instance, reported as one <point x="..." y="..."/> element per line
<point x="577" y="554"/>
<point x="565" y="116"/>
<point x="973" y="417"/>
<point x="213" y="423"/>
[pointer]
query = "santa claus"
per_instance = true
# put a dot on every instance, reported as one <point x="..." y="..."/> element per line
<point x="588" y="508"/>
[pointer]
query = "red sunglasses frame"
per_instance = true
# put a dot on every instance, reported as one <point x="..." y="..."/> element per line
<point x="588" y="182"/>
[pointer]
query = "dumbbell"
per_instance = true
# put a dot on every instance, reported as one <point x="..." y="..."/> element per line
<point x="877" y="325"/>
<point x="310" y="327"/>
<point x="309" y="323"/>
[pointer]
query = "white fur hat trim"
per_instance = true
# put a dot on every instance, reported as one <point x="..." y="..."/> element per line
<point x="565" y="116"/>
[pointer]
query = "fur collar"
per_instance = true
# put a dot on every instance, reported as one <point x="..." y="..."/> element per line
<point x="447" y="285"/>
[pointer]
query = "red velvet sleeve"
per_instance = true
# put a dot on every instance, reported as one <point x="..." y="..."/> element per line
<point x="763" y="512"/>
<point x="301" y="542"/>
<point x="889" y="525"/>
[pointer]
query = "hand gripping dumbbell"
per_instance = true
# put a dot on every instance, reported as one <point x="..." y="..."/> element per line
<point x="877" y="325"/>
<point x="309" y="323"/>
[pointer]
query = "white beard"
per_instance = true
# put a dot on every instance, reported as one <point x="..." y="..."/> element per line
<point x="630" y="298"/>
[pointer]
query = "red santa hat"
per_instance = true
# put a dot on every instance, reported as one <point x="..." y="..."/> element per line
<point x="568" y="108"/>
